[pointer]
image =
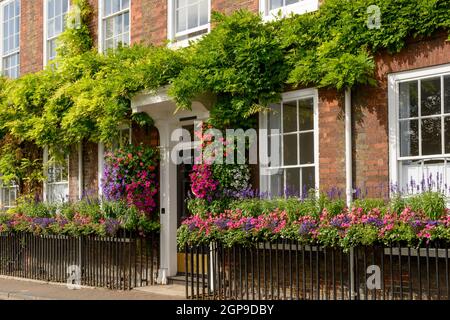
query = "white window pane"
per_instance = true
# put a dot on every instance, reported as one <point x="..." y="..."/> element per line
<point x="126" y="38"/>
<point x="276" y="183"/>
<point x="50" y="9"/>
<point x="11" y="7"/>
<point x="180" y="3"/>
<point x="433" y="171"/>
<point x="306" y="114"/>
<point x="204" y="12"/>
<point x="431" y="136"/>
<point x="292" y="187"/>
<point x="430" y="96"/>
<point x="125" y="4"/>
<point x="447" y="94"/>
<point x="274" y="150"/>
<point x="58" y="7"/>
<point x="308" y="180"/>
<point x="275" y="117"/>
<point x="65" y="6"/>
<point x="290" y="116"/>
<point x="118" y="25"/>
<point x="109" y="44"/>
<point x="274" y="4"/>
<point x="58" y="25"/>
<point x="192" y="16"/>
<point x="290" y="146"/>
<point x="307" y="148"/>
<point x="51" y="28"/>
<point x="288" y="2"/>
<point x="108" y="7"/>
<point x="409" y="138"/>
<point x="115" y="6"/>
<point x="17" y="5"/>
<point x="126" y="22"/>
<point x="447" y="134"/>
<point x="109" y="28"/>
<point x="409" y="99"/>
<point x="181" y="20"/>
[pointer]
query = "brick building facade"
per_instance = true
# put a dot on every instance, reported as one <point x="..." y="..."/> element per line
<point x="379" y="151"/>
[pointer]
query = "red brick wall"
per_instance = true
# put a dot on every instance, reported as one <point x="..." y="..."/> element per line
<point x="31" y="36"/>
<point x="370" y="105"/>
<point x="228" y="6"/>
<point x="149" y="21"/>
<point x="90" y="168"/>
<point x="331" y="140"/>
<point x="73" y="174"/>
<point x="93" y="25"/>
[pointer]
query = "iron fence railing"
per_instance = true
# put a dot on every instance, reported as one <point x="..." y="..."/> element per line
<point x="122" y="262"/>
<point x="288" y="270"/>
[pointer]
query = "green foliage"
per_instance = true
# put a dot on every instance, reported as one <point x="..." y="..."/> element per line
<point x="240" y="61"/>
<point x="433" y="204"/>
<point x="369" y="204"/>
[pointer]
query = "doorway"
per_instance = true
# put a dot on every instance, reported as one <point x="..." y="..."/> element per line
<point x="184" y="171"/>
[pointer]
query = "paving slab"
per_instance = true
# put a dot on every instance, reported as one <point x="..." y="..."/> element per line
<point x="19" y="289"/>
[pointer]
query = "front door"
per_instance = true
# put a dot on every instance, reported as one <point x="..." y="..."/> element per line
<point x="184" y="171"/>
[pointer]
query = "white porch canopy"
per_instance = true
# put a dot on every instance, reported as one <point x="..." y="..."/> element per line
<point x="162" y="109"/>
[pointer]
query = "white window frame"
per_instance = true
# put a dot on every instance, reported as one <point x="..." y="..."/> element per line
<point x="302" y="7"/>
<point x="46" y="38"/>
<point x="101" y="23"/>
<point x="394" y="128"/>
<point x="2" y="18"/>
<point x="171" y="27"/>
<point x="263" y="120"/>
<point x="47" y="196"/>
<point x="5" y="205"/>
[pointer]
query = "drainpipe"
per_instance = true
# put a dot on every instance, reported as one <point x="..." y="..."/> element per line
<point x="349" y="176"/>
<point x="348" y="147"/>
<point x="80" y="170"/>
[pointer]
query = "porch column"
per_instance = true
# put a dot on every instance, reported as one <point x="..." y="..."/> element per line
<point x="168" y="203"/>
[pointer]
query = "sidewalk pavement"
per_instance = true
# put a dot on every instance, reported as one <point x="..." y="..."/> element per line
<point x="18" y="289"/>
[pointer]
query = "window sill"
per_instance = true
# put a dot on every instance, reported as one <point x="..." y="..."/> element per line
<point x="184" y="43"/>
<point x="304" y="6"/>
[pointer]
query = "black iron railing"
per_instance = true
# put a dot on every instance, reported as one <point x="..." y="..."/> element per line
<point x="288" y="270"/>
<point x="122" y="262"/>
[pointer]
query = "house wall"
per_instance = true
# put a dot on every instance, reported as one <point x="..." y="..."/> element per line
<point x="370" y="110"/>
<point x="31" y="36"/>
<point x="370" y="104"/>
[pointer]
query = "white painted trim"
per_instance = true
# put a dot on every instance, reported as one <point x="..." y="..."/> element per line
<point x="100" y="167"/>
<point x="393" y="111"/>
<point x="171" y="29"/>
<point x="348" y="147"/>
<point x="263" y="123"/>
<point x="2" y="4"/>
<point x="80" y="171"/>
<point x="302" y="7"/>
<point x="45" y="30"/>
<point x="45" y="186"/>
<point x="100" y="26"/>
<point x="101" y="32"/>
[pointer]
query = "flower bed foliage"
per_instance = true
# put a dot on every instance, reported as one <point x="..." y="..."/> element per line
<point x="130" y="175"/>
<point x="82" y="218"/>
<point x="214" y="185"/>
<point x="324" y="222"/>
